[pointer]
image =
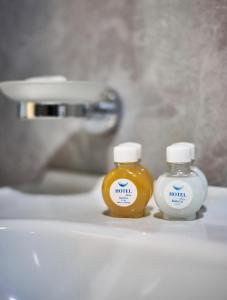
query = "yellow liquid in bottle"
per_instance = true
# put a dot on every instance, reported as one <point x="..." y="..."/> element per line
<point x="138" y="183"/>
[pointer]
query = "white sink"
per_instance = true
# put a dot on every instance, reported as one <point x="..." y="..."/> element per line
<point x="65" y="247"/>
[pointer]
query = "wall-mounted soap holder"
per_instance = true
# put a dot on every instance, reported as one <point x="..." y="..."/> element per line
<point x="55" y="97"/>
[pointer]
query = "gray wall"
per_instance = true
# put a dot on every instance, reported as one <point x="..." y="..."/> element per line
<point x="167" y="58"/>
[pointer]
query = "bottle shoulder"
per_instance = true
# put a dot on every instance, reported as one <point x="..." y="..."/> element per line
<point x="146" y="172"/>
<point x="191" y="179"/>
<point x="192" y="174"/>
<point x="198" y="171"/>
<point x="133" y="173"/>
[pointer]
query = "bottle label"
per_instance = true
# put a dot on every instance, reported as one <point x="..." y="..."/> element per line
<point x="178" y="194"/>
<point x="123" y="192"/>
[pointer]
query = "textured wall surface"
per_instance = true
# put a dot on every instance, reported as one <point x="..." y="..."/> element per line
<point x="167" y="59"/>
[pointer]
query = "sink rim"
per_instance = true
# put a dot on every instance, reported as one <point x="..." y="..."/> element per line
<point x="157" y="243"/>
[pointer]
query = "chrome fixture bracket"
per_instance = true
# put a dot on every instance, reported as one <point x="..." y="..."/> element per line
<point x="101" y="116"/>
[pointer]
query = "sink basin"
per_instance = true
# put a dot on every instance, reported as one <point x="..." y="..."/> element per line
<point x="67" y="247"/>
<point x="58" y="260"/>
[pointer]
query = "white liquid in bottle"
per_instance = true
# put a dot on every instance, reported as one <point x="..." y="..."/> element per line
<point x="196" y="169"/>
<point x="179" y="193"/>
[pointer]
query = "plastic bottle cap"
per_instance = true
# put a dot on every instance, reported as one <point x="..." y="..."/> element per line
<point x="124" y="153"/>
<point x="191" y="146"/>
<point x="137" y="146"/>
<point x="178" y="154"/>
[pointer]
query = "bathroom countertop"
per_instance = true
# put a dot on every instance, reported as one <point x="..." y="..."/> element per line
<point x="67" y="245"/>
<point x="88" y="208"/>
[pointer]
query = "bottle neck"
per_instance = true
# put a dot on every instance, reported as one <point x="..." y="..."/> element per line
<point x="179" y="169"/>
<point x="127" y="164"/>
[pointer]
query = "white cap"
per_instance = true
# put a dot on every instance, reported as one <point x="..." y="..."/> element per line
<point x="191" y="146"/>
<point x="124" y="153"/>
<point x="178" y="154"/>
<point x="137" y="146"/>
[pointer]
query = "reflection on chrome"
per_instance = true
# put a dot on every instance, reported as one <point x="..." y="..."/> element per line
<point x="36" y="259"/>
<point x="152" y="286"/>
<point x="3" y="228"/>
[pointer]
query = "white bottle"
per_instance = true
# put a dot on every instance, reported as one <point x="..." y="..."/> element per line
<point x="196" y="169"/>
<point x="179" y="193"/>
